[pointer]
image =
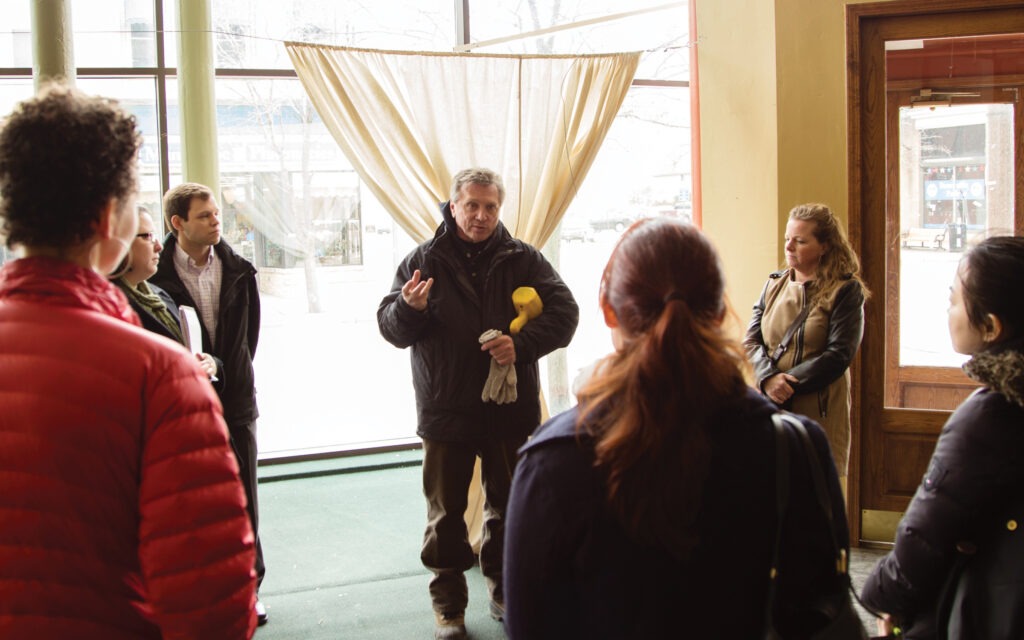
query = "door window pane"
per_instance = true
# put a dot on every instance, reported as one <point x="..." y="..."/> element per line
<point x="956" y="187"/>
<point x="952" y="149"/>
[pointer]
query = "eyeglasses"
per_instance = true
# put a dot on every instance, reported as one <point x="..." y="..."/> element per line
<point x="148" y="237"/>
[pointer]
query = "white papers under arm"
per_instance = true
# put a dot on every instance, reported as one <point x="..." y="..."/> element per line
<point x="191" y="330"/>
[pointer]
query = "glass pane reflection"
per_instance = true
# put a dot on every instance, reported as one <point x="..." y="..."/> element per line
<point x="956" y="187"/>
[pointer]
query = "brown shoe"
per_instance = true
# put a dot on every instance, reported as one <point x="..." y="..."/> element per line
<point x="450" y="626"/>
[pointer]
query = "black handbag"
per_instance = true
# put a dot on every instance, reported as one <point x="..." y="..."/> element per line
<point x="837" y="608"/>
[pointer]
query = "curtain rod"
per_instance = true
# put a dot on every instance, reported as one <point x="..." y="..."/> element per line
<point x="563" y="27"/>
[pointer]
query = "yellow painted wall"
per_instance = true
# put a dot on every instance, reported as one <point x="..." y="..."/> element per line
<point x="739" y="150"/>
<point x="772" y="125"/>
<point x="811" y="54"/>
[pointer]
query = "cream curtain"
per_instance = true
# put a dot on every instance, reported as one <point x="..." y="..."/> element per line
<point x="409" y="121"/>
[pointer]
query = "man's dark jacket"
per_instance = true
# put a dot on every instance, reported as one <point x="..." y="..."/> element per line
<point x="238" y="325"/>
<point x="448" y="367"/>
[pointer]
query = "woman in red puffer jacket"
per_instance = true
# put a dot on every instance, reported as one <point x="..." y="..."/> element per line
<point x="121" y="512"/>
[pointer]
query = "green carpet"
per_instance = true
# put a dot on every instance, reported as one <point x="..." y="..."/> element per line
<point x="342" y="542"/>
<point x="342" y="553"/>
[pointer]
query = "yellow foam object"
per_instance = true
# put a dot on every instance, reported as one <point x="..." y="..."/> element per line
<point x="528" y="305"/>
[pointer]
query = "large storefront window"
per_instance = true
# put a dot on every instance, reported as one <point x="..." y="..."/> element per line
<point x="325" y="248"/>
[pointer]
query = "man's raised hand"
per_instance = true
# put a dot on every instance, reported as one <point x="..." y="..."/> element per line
<point x="415" y="291"/>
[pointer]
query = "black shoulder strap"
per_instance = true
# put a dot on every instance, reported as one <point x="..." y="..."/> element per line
<point x="790" y="332"/>
<point x="781" y="419"/>
<point x="817" y="476"/>
<point x="781" y="500"/>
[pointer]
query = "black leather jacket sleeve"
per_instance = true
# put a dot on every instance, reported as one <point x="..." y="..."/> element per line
<point x="753" y="343"/>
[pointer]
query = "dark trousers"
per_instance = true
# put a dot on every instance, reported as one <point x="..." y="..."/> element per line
<point x="447" y="472"/>
<point x="243" y="441"/>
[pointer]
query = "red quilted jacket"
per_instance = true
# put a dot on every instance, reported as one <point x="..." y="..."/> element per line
<point x="121" y="512"/>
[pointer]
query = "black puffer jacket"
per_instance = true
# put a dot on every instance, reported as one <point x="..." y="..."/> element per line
<point x="977" y="470"/>
<point x="448" y="367"/>
<point x="238" y="326"/>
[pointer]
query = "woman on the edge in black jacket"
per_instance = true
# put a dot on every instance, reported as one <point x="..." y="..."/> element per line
<point x="976" y="471"/>
<point x="649" y="510"/>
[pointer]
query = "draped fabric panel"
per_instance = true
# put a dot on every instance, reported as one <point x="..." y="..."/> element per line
<point x="409" y="121"/>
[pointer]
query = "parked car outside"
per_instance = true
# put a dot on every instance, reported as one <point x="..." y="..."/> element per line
<point x="577" y="230"/>
<point x="613" y="219"/>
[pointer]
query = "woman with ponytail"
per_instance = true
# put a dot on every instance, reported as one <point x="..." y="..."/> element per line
<point x="649" y="511"/>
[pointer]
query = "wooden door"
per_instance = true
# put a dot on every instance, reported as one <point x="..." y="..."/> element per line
<point x="935" y="124"/>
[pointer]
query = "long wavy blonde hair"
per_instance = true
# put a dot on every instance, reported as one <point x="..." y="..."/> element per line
<point x="840" y="263"/>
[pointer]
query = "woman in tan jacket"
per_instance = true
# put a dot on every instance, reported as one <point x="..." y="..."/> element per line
<point x="807" y="326"/>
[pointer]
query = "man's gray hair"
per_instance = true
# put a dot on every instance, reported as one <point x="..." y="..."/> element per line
<point x="480" y="176"/>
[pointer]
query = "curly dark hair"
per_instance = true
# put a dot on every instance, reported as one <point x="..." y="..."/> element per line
<point x="63" y="156"/>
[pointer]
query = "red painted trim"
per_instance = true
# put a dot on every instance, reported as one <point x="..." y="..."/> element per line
<point x="695" y="189"/>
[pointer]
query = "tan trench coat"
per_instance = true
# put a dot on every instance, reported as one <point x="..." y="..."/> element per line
<point x="818" y="338"/>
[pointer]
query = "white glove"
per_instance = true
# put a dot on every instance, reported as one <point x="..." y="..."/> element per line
<point x="509" y="392"/>
<point x="500" y="386"/>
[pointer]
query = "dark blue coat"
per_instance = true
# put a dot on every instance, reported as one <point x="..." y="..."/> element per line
<point x="571" y="571"/>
